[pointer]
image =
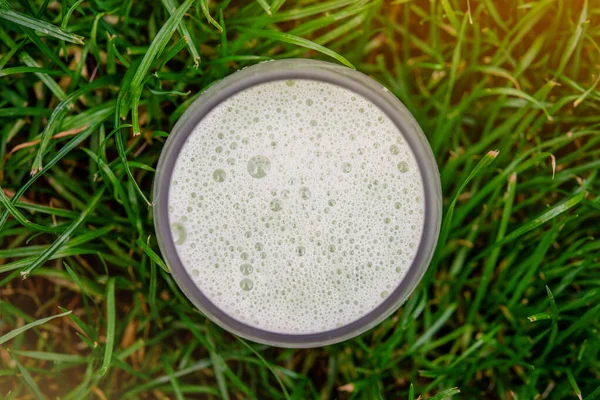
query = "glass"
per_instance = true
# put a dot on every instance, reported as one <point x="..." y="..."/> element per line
<point x="300" y="69"/>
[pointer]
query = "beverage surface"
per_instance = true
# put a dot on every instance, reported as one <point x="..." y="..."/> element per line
<point x="296" y="206"/>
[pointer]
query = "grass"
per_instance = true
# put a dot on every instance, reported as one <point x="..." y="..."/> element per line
<point x="507" y="95"/>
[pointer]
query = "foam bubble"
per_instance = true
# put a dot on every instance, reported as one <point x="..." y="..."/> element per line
<point x="246" y="269"/>
<point x="259" y="166"/>
<point x="219" y="175"/>
<point x="276" y="205"/>
<point x="246" y="284"/>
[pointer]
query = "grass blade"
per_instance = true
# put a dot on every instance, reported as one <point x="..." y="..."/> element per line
<point x="153" y="256"/>
<point x="15" y="332"/>
<point x="48" y="356"/>
<point x="443" y="395"/>
<point x="276" y="5"/>
<point x="65" y="20"/>
<point x="257" y="354"/>
<point x="59" y="155"/>
<point x="40" y="26"/>
<point x="573" y="383"/>
<point x="48" y="81"/>
<point x="451" y="14"/>
<point x="64" y="237"/>
<point x="88" y="330"/>
<point x="265" y="6"/>
<point x="427" y="335"/>
<point x="158" y="44"/>
<point x="447" y="224"/>
<point x="24" y="70"/>
<point x="492" y="260"/>
<point x="209" y="18"/>
<point x="110" y="326"/>
<point x="575" y="39"/>
<point x="545" y="217"/>
<point x="587" y="318"/>
<point x="595" y="395"/>
<point x="219" y="366"/>
<point x="297" y="41"/>
<point x="480" y="342"/>
<point x="123" y="92"/>
<point x="28" y="379"/>
<point x="520" y="94"/>
<point x="539" y="317"/>
<point x="172" y="52"/>
<point x="173" y="380"/>
<point x="591" y="89"/>
<point x="21" y="218"/>
<point x="57" y="116"/>
<point x="554" y="317"/>
<point x="171" y="5"/>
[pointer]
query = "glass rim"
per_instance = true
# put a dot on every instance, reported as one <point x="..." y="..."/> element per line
<point x="299" y="69"/>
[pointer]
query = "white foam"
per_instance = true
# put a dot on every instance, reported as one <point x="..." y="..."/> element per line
<point x="296" y="206"/>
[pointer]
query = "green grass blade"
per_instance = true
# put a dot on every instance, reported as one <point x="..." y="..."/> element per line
<point x="117" y="185"/>
<point x="123" y="92"/>
<point x="450" y="14"/>
<point x="276" y="5"/>
<point x="219" y="367"/>
<point x="22" y="219"/>
<point x="437" y="325"/>
<point x="545" y="217"/>
<point x="25" y="70"/>
<point x="265" y="6"/>
<point x="47" y="52"/>
<point x="57" y="116"/>
<point x="55" y="357"/>
<point x="493" y="258"/>
<point x="297" y="41"/>
<point x="152" y="254"/>
<point x="173" y="379"/>
<point x="111" y="316"/>
<point x="15" y="332"/>
<point x="520" y="94"/>
<point x="585" y="320"/>
<point x="172" y="52"/>
<point x="48" y="81"/>
<point x="155" y="49"/>
<point x="209" y="18"/>
<point x="10" y="53"/>
<point x="585" y="94"/>
<point x="299" y="11"/>
<point x="64" y="237"/>
<point x="595" y="395"/>
<point x="28" y="379"/>
<point x="573" y="383"/>
<point x="88" y="330"/>
<point x="65" y="20"/>
<point x="554" y="328"/>
<point x="262" y="360"/>
<point x="40" y="26"/>
<point x="493" y="12"/>
<point x="575" y="39"/>
<point x="447" y="223"/>
<point x="475" y="346"/>
<point x="539" y="317"/>
<point x="443" y="395"/>
<point x="171" y="5"/>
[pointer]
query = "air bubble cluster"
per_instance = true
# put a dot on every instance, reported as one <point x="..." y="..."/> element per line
<point x="296" y="206"/>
